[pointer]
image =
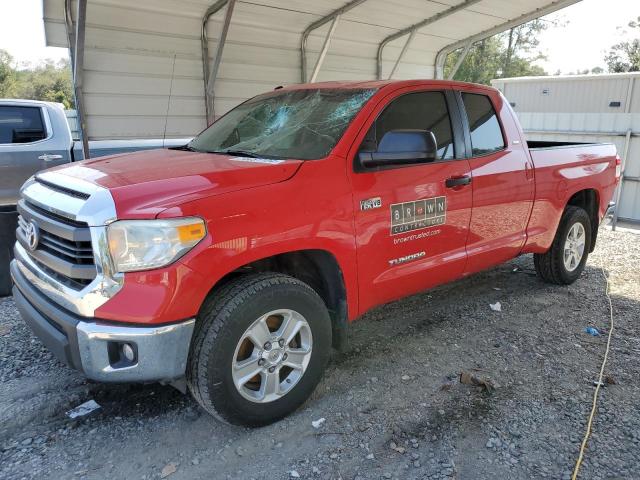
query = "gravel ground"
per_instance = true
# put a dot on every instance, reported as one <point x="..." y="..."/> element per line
<point x="393" y="405"/>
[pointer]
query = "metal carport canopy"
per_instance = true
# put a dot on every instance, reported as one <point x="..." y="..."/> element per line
<point x="140" y="71"/>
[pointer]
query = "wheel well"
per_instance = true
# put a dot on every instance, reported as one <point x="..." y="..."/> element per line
<point x="317" y="268"/>
<point x="588" y="200"/>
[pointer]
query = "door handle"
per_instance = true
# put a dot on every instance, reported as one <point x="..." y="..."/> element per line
<point x="48" y="157"/>
<point x="528" y="171"/>
<point x="457" y="181"/>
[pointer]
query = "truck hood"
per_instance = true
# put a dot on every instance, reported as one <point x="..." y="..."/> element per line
<point x="145" y="183"/>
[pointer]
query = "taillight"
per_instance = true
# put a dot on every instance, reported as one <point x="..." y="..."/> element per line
<point x="618" y="167"/>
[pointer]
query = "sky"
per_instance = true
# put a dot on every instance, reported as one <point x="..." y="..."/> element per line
<point x="591" y="29"/>
<point x="580" y="44"/>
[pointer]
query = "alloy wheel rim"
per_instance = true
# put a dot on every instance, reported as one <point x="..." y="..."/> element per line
<point x="574" y="247"/>
<point x="272" y="356"/>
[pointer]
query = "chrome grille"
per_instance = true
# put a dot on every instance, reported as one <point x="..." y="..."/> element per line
<point x="79" y="253"/>
<point x="70" y="263"/>
<point x="64" y="247"/>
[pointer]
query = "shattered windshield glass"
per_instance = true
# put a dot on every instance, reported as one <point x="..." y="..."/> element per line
<point x="301" y="124"/>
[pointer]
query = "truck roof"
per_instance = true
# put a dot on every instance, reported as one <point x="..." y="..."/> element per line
<point x="346" y="84"/>
<point x="25" y="102"/>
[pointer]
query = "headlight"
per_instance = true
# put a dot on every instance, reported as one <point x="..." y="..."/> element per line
<point x="145" y="244"/>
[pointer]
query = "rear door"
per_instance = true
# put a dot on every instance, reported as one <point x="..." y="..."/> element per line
<point x="503" y="179"/>
<point x="27" y="145"/>
<point x="411" y="229"/>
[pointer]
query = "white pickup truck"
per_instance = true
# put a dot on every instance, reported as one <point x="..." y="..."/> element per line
<point x="35" y="136"/>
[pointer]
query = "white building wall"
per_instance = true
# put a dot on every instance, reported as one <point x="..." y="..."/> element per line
<point x="579" y="109"/>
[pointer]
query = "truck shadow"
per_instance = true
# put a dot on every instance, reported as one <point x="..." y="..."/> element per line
<point x="376" y="334"/>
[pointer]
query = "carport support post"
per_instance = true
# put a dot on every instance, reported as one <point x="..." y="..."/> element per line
<point x="78" y="68"/>
<point x="71" y="35"/>
<point x="210" y="94"/>
<point x="317" y="24"/>
<point x="325" y="49"/>
<point x="627" y="142"/>
<point x="456" y="67"/>
<point x="625" y="153"/>
<point x="402" y="52"/>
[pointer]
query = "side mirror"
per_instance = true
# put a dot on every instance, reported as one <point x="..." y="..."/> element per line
<point x="402" y="147"/>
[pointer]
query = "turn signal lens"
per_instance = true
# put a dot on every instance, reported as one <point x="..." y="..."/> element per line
<point x="191" y="232"/>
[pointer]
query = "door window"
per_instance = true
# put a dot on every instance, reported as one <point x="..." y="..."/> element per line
<point x="486" y="134"/>
<point x="416" y="111"/>
<point x="21" y="124"/>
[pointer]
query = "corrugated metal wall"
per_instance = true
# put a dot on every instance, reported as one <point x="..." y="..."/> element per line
<point x="582" y="94"/>
<point x="131" y="47"/>
<point x="594" y="108"/>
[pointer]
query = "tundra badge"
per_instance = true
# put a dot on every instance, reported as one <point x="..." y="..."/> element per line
<point x="406" y="259"/>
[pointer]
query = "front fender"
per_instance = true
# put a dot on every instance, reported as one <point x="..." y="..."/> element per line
<point x="311" y="211"/>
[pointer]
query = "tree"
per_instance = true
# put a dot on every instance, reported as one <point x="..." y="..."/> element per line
<point x="625" y="56"/>
<point x="7" y="74"/>
<point x="509" y="54"/>
<point x="49" y="81"/>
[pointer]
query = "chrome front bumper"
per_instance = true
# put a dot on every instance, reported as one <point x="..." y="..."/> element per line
<point x="95" y="347"/>
<point x="161" y="352"/>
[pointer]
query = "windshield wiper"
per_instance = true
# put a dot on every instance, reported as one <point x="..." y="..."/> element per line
<point x="187" y="148"/>
<point x="242" y="153"/>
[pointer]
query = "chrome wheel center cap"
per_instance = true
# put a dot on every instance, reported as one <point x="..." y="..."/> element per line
<point x="274" y="356"/>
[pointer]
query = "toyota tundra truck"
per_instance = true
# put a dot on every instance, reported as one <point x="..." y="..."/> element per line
<point x="232" y="266"/>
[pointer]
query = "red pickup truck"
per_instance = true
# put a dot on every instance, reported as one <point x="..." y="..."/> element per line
<point x="231" y="266"/>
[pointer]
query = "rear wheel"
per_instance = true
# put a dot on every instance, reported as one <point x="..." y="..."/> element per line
<point x="563" y="263"/>
<point x="260" y="347"/>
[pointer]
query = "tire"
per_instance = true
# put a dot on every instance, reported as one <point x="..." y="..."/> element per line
<point x="551" y="266"/>
<point x="220" y="340"/>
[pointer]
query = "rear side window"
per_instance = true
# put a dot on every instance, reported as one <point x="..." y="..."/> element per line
<point x="486" y="134"/>
<point x="419" y="111"/>
<point x="21" y="124"/>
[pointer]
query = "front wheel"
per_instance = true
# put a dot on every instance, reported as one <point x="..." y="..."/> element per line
<point x="565" y="260"/>
<point x="260" y="347"/>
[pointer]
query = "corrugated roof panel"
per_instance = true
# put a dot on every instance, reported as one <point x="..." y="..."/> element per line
<point x="134" y="49"/>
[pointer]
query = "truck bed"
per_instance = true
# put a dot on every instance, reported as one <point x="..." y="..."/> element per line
<point x="542" y="144"/>
<point x="561" y="170"/>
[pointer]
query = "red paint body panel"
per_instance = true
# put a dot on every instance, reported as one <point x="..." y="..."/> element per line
<point x="257" y="210"/>
<point x="560" y="173"/>
<point x="145" y="183"/>
<point x="503" y="194"/>
<point x="444" y="253"/>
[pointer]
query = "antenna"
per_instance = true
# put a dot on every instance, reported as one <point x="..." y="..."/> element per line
<point x="166" y="116"/>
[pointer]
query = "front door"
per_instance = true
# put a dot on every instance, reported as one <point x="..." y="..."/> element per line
<point x="411" y="221"/>
<point x="26" y="147"/>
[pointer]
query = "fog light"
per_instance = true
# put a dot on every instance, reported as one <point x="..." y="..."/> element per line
<point x="128" y="352"/>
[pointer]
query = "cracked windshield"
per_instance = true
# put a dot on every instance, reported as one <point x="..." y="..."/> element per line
<point x="300" y="124"/>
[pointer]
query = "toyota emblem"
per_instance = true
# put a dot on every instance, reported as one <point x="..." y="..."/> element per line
<point x="32" y="234"/>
